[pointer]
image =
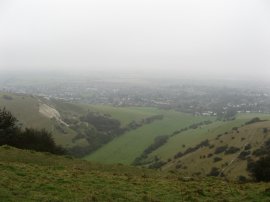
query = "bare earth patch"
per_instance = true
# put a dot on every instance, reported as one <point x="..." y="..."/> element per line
<point x="50" y="112"/>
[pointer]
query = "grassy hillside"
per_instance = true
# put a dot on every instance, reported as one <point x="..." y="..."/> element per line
<point x="190" y="138"/>
<point x="26" y="109"/>
<point x="33" y="176"/>
<point x="130" y="145"/>
<point x="229" y="153"/>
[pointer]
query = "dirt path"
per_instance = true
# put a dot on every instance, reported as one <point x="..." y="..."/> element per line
<point x="236" y="157"/>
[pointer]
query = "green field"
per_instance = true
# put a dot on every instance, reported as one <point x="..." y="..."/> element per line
<point x="124" y="114"/>
<point x="130" y="145"/>
<point x="33" y="176"/>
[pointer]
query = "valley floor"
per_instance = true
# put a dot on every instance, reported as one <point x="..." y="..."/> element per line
<point x="33" y="176"/>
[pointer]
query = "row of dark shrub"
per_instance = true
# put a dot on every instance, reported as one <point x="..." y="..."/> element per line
<point x="192" y="126"/>
<point x="158" y="142"/>
<point x="204" y="143"/>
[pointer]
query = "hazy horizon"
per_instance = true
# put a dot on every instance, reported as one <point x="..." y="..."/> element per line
<point x="223" y="39"/>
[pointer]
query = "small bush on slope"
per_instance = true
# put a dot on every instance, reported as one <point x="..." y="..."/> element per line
<point x="261" y="169"/>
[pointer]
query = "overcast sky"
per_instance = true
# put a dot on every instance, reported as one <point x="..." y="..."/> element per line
<point x="217" y="37"/>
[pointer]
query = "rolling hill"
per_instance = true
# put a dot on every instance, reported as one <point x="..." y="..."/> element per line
<point x="181" y="141"/>
<point x="227" y="155"/>
<point x="140" y="128"/>
<point x="58" y="117"/>
<point x="200" y="158"/>
<point x="34" y="112"/>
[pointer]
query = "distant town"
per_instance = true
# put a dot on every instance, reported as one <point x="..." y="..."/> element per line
<point x="192" y="97"/>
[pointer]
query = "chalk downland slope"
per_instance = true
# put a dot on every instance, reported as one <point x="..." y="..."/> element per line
<point x="226" y="155"/>
<point x="190" y="138"/>
<point x="51" y="113"/>
<point x="35" y="112"/>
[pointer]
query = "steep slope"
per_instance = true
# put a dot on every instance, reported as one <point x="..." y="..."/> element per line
<point x="179" y="142"/>
<point x="34" y="112"/>
<point x="33" y="176"/>
<point x="226" y="155"/>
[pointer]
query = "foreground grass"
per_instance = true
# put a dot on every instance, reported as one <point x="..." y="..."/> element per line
<point x="33" y="176"/>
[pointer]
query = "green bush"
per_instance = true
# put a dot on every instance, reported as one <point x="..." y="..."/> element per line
<point x="216" y="159"/>
<point x="214" y="172"/>
<point x="261" y="169"/>
<point x="221" y="149"/>
<point x="232" y="150"/>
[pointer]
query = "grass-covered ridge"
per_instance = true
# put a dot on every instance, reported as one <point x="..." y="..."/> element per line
<point x="180" y="142"/>
<point x="33" y="176"/>
<point x="230" y="154"/>
<point x="26" y="109"/>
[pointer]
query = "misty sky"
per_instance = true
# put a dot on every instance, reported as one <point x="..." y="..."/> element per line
<point x="211" y="37"/>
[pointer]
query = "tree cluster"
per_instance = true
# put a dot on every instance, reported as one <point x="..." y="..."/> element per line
<point x="261" y="168"/>
<point x="28" y="138"/>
